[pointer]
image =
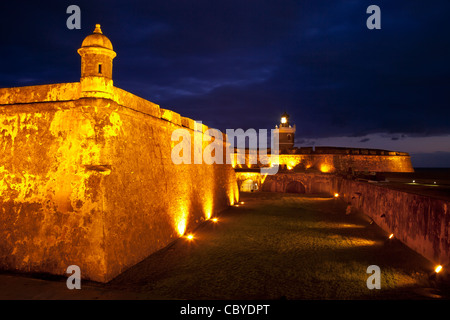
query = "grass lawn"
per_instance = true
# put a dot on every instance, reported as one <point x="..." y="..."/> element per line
<point x="278" y="246"/>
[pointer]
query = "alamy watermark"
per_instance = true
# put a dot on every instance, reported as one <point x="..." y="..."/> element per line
<point x="213" y="152"/>
<point x="74" y="20"/>
<point x="374" y="281"/>
<point x="374" y="20"/>
<point x="74" y="281"/>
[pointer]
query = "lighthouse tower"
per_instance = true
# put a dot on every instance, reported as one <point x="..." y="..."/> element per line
<point x="286" y="134"/>
<point x="96" y="65"/>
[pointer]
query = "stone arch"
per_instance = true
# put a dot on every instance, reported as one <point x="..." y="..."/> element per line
<point x="248" y="186"/>
<point x="295" y="187"/>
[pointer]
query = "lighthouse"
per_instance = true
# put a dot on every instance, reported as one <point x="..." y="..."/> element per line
<point x="286" y="134"/>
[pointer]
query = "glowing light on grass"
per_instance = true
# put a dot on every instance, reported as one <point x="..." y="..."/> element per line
<point x="349" y="225"/>
<point x="336" y="195"/>
<point x="351" y="242"/>
<point x="438" y="269"/>
<point x="215" y="220"/>
<point x="242" y="202"/>
<point x="338" y="225"/>
<point x="391" y="236"/>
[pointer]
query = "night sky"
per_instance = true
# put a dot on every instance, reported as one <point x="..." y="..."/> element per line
<point x="241" y="64"/>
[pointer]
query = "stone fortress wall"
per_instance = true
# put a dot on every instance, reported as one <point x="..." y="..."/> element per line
<point x="90" y="181"/>
<point x="335" y="160"/>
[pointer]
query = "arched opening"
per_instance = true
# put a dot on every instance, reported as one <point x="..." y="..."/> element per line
<point x="249" y="186"/>
<point x="272" y="186"/>
<point x="295" y="187"/>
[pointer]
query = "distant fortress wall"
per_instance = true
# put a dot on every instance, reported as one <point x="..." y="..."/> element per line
<point x="331" y="160"/>
<point x="90" y="181"/>
<point x="356" y="162"/>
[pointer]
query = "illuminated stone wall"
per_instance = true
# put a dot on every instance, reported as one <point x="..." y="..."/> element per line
<point x="283" y="182"/>
<point x="42" y="93"/>
<point x="50" y="204"/>
<point x="256" y="177"/>
<point x="341" y="162"/>
<point x="421" y="222"/>
<point x="91" y="182"/>
<point x="151" y="200"/>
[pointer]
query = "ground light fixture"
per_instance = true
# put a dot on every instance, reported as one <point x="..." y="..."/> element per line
<point x="242" y="202"/>
<point x="190" y="237"/>
<point x="438" y="269"/>
<point x="336" y="195"/>
<point x="215" y="220"/>
<point x="391" y="236"/>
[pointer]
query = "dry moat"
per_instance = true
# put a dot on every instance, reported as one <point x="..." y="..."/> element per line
<point x="273" y="246"/>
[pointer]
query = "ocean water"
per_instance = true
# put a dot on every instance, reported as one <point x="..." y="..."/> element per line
<point x="441" y="175"/>
<point x="433" y="182"/>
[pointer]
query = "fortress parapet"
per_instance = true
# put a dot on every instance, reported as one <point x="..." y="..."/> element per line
<point x="87" y="178"/>
<point x="337" y="160"/>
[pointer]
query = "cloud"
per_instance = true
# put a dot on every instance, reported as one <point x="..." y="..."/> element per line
<point x="410" y="144"/>
<point x="241" y="64"/>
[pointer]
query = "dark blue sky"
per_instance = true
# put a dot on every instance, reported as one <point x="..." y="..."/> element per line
<point x="240" y="64"/>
